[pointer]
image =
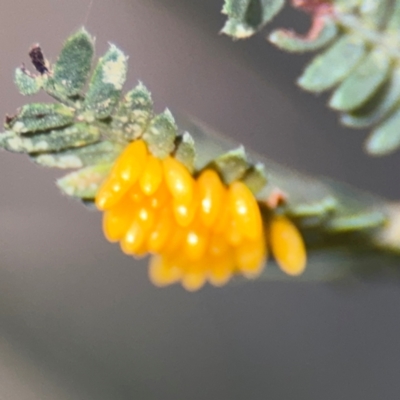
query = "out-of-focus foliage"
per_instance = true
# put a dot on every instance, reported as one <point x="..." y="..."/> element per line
<point x="359" y="59"/>
<point x="245" y="17"/>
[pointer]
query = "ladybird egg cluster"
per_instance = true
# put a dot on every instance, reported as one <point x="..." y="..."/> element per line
<point x="200" y="229"/>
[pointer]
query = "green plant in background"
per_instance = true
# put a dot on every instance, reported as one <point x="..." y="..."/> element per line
<point x="171" y="187"/>
<point x="359" y="57"/>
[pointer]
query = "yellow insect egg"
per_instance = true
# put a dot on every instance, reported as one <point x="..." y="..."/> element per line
<point x="135" y="237"/>
<point x="146" y="216"/>
<point x="194" y="276"/>
<point x="287" y="245"/>
<point x="233" y="233"/>
<point x="250" y="257"/>
<point x="163" y="272"/>
<point x="245" y="210"/>
<point x="117" y="219"/>
<point x="218" y="245"/>
<point x="161" y="232"/>
<point x="178" y="179"/>
<point x="152" y="176"/>
<point x="174" y="243"/>
<point x="159" y="199"/>
<point x="124" y="174"/>
<point x="220" y="269"/>
<point x="136" y="195"/>
<point x="184" y="213"/>
<point x="211" y="192"/>
<point x="131" y="162"/>
<point x="195" y="244"/>
<point x="224" y="218"/>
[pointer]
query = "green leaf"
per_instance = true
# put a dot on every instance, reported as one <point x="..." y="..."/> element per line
<point x="185" y="151"/>
<point x="356" y="222"/>
<point x="27" y="84"/>
<point x="331" y="67"/>
<point x="362" y="83"/>
<point x="106" y="84"/>
<point x="246" y="17"/>
<point x="84" y="183"/>
<point x="378" y="108"/>
<point x="40" y="117"/>
<point x="72" y="68"/>
<point x="97" y="153"/>
<point x="354" y="210"/>
<point x="289" y="41"/>
<point x="385" y="139"/>
<point x="255" y="178"/>
<point x="160" y="135"/>
<point x="232" y="165"/>
<point x="134" y="113"/>
<point x="77" y="135"/>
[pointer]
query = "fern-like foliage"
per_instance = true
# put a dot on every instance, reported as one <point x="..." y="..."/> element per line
<point x="245" y="17"/>
<point x="91" y="122"/>
<point x="359" y="61"/>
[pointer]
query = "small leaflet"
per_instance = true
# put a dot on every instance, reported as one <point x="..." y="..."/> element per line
<point x="134" y="113"/>
<point x="232" y="165"/>
<point x="331" y="67"/>
<point x="160" y="135"/>
<point x="362" y="83"/>
<point x="289" y="41"/>
<point x="77" y="135"/>
<point x="26" y="83"/>
<point x="40" y="117"/>
<point x="72" y="68"/>
<point x="246" y="17"/>
<point x="84" y="183"/>
<point x="380" y="107"/>
<point x="256" y="178"/>
<point x="106" y="84"/>
<point x="185" y="151"/>
<point x="97" y="153"/>
<point x="385" y="139"/>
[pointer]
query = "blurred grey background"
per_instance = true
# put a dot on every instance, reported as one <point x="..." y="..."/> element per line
<point x="79" y="320"/>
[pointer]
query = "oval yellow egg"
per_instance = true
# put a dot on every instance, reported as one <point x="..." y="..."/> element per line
<point x="134" y="238"/>
<point x="210" y="194"/>
<point x="152" y="176"/>
<point x="251" y="257"/>
<point x="163" y="272"/>
<point x="161" y="232"/>
<point x="183" y="213"/>
<point x="117" y="219"/>
<point x="178" y="179"/>
<point x="245" y="210"/>
<point x="287" y="245"/>
<point x="195" y="244"/>
<point x="194" y="276"/>
<point x="220" y="268"/>
<point x="127" y="169"/>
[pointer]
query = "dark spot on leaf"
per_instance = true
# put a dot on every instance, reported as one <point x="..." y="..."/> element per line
<point x="254" y="13"/>
<point x="9" y="119"/>
<point x="38" y="59"/>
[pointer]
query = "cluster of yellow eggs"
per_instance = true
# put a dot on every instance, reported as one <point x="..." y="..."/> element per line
<point x="198" y="229"/>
